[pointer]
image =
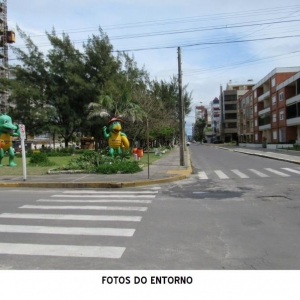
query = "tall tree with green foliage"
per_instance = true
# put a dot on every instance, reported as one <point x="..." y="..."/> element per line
<point x="199" y="130"/>
<point x="53" y="91"/>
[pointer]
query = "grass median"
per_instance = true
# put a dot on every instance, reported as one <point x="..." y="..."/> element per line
<point x="60" y="162"/>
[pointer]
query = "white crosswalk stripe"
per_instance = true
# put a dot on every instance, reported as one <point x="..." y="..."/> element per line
<point x="82" y="201"/>
<point x="72" y="217"/>
<point x="258" y="173"/>
<point x="62" y="250"/>
<point x="202" y="175"/>
<point x="221" y="174"/>
<point x="291" y="170"/>
<point x="240" y="174"/>
<point x="86" y="207"/>
<point x="277" y="172"/>
<point x="67" y="230"/>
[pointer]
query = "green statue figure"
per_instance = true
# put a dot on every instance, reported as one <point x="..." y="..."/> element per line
<point x="7" y="130"/>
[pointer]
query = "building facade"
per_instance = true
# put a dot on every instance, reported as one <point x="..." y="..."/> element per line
<point x="6" y="37"/>
<point x="270" y="112"/>
<point x="215" y="118"/>
<point x="229" y="111"/>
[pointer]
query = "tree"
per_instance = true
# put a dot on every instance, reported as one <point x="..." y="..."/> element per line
<point x="199" y="129"/>
<point x="70" y="92"/>
<point x="53" y="91"/>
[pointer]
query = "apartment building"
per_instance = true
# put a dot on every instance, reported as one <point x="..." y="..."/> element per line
<point x="270" y="111"/>
<point x="215" y="117"/>
<point x="245" y="118"/>
<point x="6" y="37"/>
<point x="229" y="111"/>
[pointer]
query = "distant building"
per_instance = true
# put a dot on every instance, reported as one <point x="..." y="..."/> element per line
<point x="215" y="118"/>
<point x="229" y="98"/>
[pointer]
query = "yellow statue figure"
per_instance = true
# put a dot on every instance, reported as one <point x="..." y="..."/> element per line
<point x="117" y="140"/>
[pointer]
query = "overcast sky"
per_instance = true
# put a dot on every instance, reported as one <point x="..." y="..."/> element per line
<point x="220" y="41"/>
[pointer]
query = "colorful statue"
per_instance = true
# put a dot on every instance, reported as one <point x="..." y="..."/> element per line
<point x="117" y="140"/>
<point x="7" y="129"/>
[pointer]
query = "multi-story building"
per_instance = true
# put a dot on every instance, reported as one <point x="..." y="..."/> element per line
<point x="245" y="118"/>
<point x="229" y="119"/>
<point x="200" y="113"/>
<point x="215" y="117"/>
<point x="289" y="90"/>
<point x="270" y="112"/>
<point x="6" y="37"/>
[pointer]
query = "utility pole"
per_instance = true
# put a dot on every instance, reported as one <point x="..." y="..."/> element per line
<point x="181" y="112"/>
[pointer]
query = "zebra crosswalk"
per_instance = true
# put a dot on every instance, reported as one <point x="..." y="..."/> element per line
<point x="100" y="214"/>
<point x="248" y="173"/>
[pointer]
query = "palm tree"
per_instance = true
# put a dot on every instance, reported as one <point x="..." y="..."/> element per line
<point x="124" y="108"/>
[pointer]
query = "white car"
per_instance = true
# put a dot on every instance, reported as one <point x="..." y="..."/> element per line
<point x="187" y="143"/>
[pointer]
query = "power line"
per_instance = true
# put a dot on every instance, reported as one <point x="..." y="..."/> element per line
<point x="208" y="43"/>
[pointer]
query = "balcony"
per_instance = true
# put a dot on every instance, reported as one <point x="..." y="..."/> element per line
<point x="263" y="111"/>
<point x="293" y="100"/>
<point x="264" y="127"/>
<point x="292" y="122"/>
<point x="264" y="96"/>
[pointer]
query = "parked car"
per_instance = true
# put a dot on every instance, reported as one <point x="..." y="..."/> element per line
<point x="218" y="142"/>
<point x="187" y="143"/>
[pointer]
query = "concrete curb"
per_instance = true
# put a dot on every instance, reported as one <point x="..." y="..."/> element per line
<point x="82" y="185"/>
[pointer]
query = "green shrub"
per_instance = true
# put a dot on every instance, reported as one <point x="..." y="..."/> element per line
<point x="40" y="159"/>
<point x="99" y="162"/>
<point x="119" y="167"/>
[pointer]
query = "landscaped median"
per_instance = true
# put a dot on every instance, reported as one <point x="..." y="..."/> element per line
<point x="89" y="161"/>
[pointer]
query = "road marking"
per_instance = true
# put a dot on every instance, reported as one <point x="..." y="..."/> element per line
<point x="72" y="217"/>
<point x="104" y="196"/>
<point x="62" y="250"/>
<point x="221" y="174"/>
<point x="240" y="174"/>
<point x="67" y="230"/>
<point x="277" y="172"/>
<point x="94" y="201"/>
<point x="128" y="208"/>
<point x="110" y="192"/>
<point x="258" y="173"/>
<point x="291" y="170"/>
<point x="202" y="175"/>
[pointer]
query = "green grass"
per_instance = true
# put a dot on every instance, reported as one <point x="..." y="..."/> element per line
<point x="59" y="162"/>
<point x="31" y="170"/>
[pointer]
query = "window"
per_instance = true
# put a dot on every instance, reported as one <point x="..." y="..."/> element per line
<point x="281" y="115"/>
<point x="256" y="136"/>
<point x="273" y="82"/>
<point x="274" y="100"/>
<point x="255" y="122"/>
<point x="274" y="134"/>
<point x="281" y="96"/>
<point x="281" y="135"/>
<point x="255" y="108"/>
<point x="255" y="94"/>
<point x="274" y="118"/>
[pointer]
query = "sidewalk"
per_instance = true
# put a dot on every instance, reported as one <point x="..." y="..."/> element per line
<point x="279" y="154"/>
<point x="165" y="169"/>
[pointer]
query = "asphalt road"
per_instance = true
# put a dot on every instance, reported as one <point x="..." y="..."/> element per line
<point x="236" y="212"/>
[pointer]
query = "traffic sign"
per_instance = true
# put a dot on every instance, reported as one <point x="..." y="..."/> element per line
<point x="22" y="131"/>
